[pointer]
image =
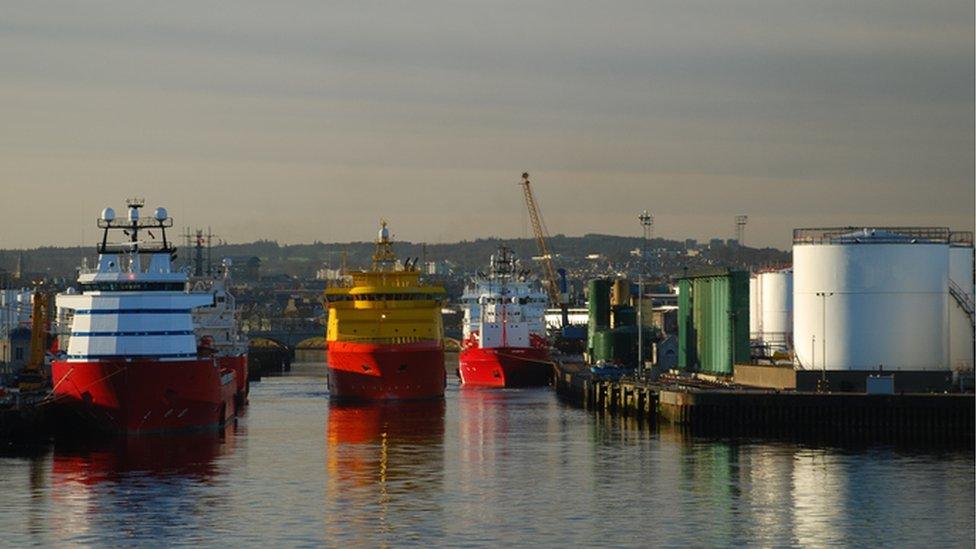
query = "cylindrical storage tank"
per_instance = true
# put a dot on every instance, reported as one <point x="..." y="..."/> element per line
<point x="598" y="307"/>
<point x="776" y="308"/>
<point x="616" y="346"/>
<point x="625" y="345"/>
<point x="624" y="316"/>
<point x="621" y="292"/>
<point x="871" y="298"/>
<point x="754" y="308"/>
<point x="960" y="325"/>
<point x="603" y="345"/>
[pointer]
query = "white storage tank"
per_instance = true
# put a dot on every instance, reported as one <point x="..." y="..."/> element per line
<point x="865" y="298"/>
<point x="960" y="322"/>
<point x="754" y="334"/>
<point x="775" y="294"/>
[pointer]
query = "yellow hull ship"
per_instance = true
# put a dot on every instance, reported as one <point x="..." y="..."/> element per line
<point x="385" y="335"/>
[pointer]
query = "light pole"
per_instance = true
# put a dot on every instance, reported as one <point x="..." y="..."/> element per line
<point x="647" y="222"/>
<point x="823" y="334"/>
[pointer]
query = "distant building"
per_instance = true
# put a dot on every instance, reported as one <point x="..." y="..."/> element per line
<point x="715" y="243"/>
<point x="15" y="347"/>
<point x="19" y="271"/>
<point x="665" y="318"/>
<point x="691" y="244"/>
<point x="245" y="268"/>
<point x="438" y="268"/>
<point x="666" y="353"/>
<point x="15" y="309"/>
<point x="326" y="273"/>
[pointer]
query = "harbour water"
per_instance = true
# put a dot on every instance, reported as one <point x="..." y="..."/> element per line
<point x="483" y="467"/>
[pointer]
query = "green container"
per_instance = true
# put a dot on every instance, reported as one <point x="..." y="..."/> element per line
<point x="713" y="321"/>
<point x="598" y="307"/>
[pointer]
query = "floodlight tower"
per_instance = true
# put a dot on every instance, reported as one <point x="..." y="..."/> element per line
<point x="647" y="225"/>
<point x="740" y="228"/>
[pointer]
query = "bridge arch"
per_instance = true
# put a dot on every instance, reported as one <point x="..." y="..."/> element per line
<point x="266" y="342"/>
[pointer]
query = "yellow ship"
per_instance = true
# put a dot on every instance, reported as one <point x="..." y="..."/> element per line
<point x="385" y="335"/>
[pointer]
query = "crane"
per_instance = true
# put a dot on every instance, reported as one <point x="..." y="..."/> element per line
<point x="542" y="240"/>
<point x="31" y="377"/>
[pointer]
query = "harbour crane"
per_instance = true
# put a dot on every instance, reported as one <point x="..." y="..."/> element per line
<point x="31" y="377"/>
<point x="556" y="296"/>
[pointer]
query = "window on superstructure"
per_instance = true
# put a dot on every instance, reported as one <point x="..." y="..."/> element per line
<point x="132" y="286"/>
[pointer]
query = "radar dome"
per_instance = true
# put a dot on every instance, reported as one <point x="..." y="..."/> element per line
<point x="161" y="214"/>
<point x="384" y="232"/>
<point x="108" y="214"/>
<point x="133" y="214"/>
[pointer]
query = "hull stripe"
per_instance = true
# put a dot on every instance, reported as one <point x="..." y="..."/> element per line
<point x="129" y="356"/>
<point x="130" y="311"/>
<point x="125" y="334"/>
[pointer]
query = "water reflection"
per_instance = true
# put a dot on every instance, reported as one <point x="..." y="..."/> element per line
<point x="385" y="462"/>
<point x="144" y="486"/>
<point x="489" y="468"/>
<point x="189" y="456"/>
<point x="776" y="493"/>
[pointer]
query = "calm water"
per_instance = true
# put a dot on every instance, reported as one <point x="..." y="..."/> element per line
<point x="482" y="468"/>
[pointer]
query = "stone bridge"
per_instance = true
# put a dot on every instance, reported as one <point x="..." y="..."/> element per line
<point x="289" y="334"/>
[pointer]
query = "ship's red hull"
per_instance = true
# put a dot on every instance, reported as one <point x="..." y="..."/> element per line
<point x="239" y="365"/>
<point x="505" y="367"/>
<point x="145" y="396"/>
<point x="401" y="371"/>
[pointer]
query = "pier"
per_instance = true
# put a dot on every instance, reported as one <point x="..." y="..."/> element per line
<point x="713" y="409"/>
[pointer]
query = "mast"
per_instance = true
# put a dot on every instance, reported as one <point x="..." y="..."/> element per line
<point x="131" y="227"/>
<point x="383" y="258"/>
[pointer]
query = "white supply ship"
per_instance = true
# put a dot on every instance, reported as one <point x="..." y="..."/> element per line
<point x="505" y="342"/>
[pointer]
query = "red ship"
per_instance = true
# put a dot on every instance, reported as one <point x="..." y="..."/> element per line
<point x="505" y="341"/>
<point x="385" y="334"/>
<point x="134" y="364"/>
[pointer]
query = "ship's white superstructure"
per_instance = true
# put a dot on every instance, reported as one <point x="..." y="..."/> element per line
<point x="504" y="307"/>
<point x="122" y="310"/>
<point x="133" y="362"/>
<point x="217" y="325"/>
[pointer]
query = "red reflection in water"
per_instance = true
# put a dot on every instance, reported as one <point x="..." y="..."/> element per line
<point x="189" y="455"/>
<point x="380" y="459"/>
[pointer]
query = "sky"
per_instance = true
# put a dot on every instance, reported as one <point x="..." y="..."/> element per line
<point x="310" y="121"/>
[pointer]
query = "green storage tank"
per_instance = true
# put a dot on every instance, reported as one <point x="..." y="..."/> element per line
<point x="625" y="345"/>
<point x="624" y="316"/>
<point x="602" y="347"/>
<point x="713" y="321"/>
<point x="598" y="308"/>
<point x="615" y="346"/>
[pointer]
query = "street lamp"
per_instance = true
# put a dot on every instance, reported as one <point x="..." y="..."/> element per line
<point x="647" y="222"/>
<point x="823" y="334"/>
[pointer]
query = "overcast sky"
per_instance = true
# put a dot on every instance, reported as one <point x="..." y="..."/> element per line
<point x="304" y="121"/>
